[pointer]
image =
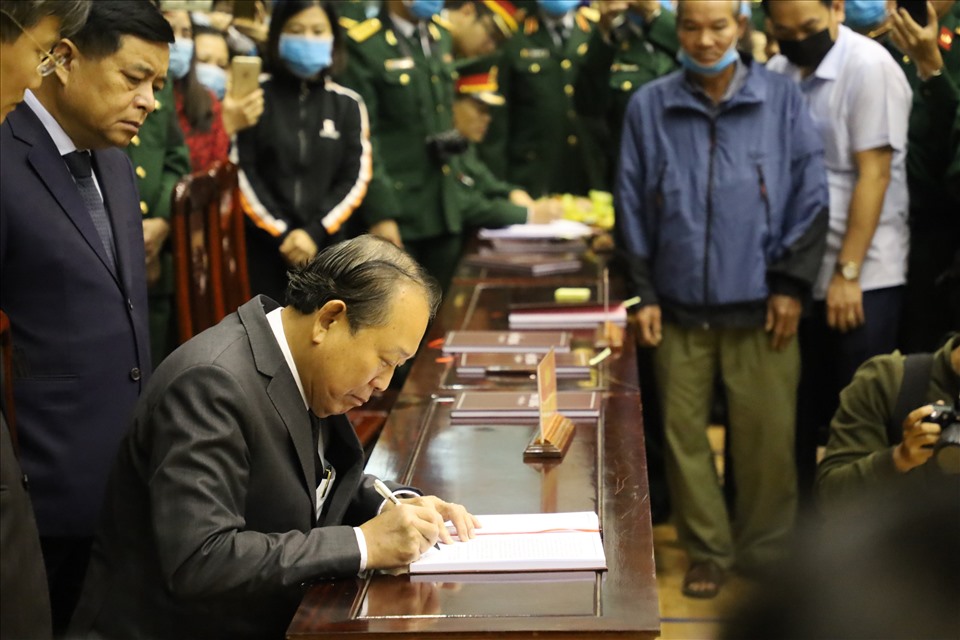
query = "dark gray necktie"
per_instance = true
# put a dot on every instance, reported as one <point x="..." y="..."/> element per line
<point x="80" y="166"/>
<point x="318" y="465"/>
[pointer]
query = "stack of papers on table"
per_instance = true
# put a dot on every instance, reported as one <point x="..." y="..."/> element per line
<point x="566" y="316"/>
<point x="534" y="264"/>
<point x="565" y="229"/>
<point x="522" y="542"/>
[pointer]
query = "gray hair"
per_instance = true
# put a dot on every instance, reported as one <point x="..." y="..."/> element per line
<point x="28" y="13"/>
<point x="364" y="273"/>
<point x="736" y="4"/>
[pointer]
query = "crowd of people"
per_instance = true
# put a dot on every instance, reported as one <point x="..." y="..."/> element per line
<point x="786" y="178"/>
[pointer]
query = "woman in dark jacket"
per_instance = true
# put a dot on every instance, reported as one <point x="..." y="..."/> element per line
<point x="305" y="166"/>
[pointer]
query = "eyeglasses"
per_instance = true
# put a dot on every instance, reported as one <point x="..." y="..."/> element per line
<point x="48" y="60"/>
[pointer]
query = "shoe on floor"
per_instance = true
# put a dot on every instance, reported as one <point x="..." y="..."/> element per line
<point x="703" y="579"/>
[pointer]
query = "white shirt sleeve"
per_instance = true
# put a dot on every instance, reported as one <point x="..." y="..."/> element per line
<point x="879" y="108"/>
<point x="362" y="543"/>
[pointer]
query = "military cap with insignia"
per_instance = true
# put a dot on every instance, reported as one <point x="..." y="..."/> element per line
<point x="477" y="79"/>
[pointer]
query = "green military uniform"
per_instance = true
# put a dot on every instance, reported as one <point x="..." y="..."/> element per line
<point x="160" y="158"/>
<point x="409" y="97"/>
<point x="934" y="224"/>
<point x="859" y="453"/>
<point x="539" y="141"/>
<point x="615" y="67"/>
<point x="485" y="198"/>
<point x="353" y="12"/>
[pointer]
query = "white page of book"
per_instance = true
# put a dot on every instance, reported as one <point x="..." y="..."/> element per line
<point x="524" y="542"/>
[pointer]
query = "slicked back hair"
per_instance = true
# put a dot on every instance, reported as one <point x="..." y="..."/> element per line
<point x="28" y="13"/>
<point x="365" y="273"/>
<point x="110" y="20"/>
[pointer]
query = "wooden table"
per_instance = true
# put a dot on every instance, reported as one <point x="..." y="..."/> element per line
<point x="481" y="466"/>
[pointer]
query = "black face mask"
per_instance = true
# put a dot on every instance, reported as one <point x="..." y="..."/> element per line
<point x="809" y="51"/>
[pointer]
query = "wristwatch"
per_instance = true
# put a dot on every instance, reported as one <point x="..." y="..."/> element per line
<point x="849" y="270"/>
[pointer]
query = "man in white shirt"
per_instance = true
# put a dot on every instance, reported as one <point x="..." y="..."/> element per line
<point x="860" y="101"/>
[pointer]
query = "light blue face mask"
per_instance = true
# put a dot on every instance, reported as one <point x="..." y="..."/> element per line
<point x="181" y="53"/>
<point x="557" y="8"/>
<point x="725" y="61"/>
<point x="212" y="77"/>
<point x="862" y="14"/>
<point x="306" y="56"/>
<point x="424" y="9"/>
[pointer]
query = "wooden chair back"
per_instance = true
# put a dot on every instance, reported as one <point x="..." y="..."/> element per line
<point x="197" y="254"/>
<point x="233" y="248"/>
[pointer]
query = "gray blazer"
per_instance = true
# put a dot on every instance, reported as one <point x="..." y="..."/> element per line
<point x="209" y="527"/>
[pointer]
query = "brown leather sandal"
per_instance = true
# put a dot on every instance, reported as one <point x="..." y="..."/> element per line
<point x="703" y="579"/>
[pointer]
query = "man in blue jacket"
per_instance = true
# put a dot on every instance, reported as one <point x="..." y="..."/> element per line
<point x="722" y="212"/>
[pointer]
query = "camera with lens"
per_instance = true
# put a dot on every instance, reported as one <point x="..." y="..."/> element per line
<point x="946" y="450"/>
<point x="446" y="144"/>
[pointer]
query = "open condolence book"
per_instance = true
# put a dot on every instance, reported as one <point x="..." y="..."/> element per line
<point x="522" y="542"/>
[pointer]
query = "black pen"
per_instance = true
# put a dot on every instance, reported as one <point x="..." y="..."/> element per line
<point x="384" y="491"/>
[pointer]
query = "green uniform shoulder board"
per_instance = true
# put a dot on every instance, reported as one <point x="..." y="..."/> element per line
<point x="347" y="23"/>
<point x="443" y="22"/>
<point x="590" y="14"/>
<point x="364" y="30"/>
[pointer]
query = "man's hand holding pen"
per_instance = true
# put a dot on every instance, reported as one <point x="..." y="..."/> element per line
<point x="408" y="527"/>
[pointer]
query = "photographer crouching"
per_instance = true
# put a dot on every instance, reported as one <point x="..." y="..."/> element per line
<point x="897" y="422"/>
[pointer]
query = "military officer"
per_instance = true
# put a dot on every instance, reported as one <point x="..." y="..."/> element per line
<point x="934" y="74"/>
<point x="401" y="63"/>
<point x="160" y="158"/>
<point x="479" y="28"/>
<point x="635" y="42"/>
<point x="538" y="140"/>
<point x="487" y="200"/>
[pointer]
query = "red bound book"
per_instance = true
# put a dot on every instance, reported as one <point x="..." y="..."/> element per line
<point x="523" y="404"/>
<point x="506" y="341"/>
<point x="569" y="365"/>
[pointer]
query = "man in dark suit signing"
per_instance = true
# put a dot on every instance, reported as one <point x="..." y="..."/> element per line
<point x="72" y="271"/>
<point x="240" y="481"/>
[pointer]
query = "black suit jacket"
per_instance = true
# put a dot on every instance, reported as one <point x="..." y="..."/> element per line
<point x="209" y="527"/>
<point x="24" y="601"/>
<point x="81" y="334"/>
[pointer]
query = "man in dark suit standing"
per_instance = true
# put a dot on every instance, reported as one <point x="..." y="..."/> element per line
<point x="240" y="479"/>
<point x="28" y="31"/>
<point x="73" y="283"/>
